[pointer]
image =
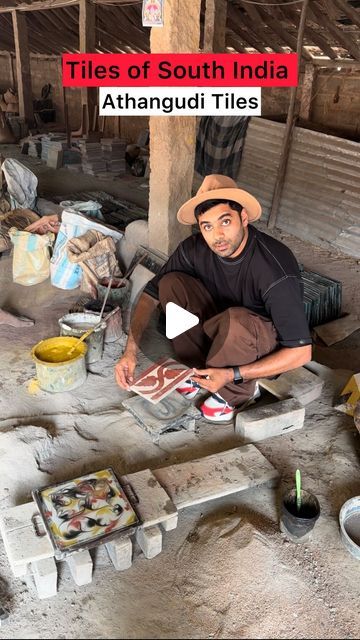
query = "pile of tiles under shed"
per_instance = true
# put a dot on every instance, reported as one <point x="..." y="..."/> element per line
<point x="92" y="160"/>
<point x="322" y="298"/>
<point x="113" y="150"/>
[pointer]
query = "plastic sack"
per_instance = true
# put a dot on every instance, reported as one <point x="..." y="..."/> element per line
<point x="90" y="208"/>
<point x="21" y="184"/>
<point x="31" y="258"/>
<point x="66" y="274"/>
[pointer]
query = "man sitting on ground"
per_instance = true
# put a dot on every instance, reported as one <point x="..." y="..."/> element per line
<point x="246" y="289"/>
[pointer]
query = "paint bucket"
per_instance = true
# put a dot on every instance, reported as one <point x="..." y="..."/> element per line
<point x="349" y="519"/>
<point x="75" y="324"/>
<point x="118" y="296"/>
<point x="298" y="524"/>
<point x="113" y="329"/>
<point x="55" y="371"/>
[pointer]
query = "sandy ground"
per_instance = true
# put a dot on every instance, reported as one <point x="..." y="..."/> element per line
<point x="226" y="571"/>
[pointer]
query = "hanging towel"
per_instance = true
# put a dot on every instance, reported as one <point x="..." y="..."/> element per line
<point x="219" y="145"/>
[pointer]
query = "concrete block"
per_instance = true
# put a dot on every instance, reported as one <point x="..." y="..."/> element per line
<point x="120" y="553"/>
<point x="17" y="517"/>
<point x="81" y="567"/>
<point x="149" y="541"/>
<point x="20" y="570"/>
<point x="154" y="505"/>
<point x="171" y="523"/>
<point x="270" y="420"/>
<point x="299" y="383"/>
<point x="24" y="546"/>
<point x="45" y="577"/>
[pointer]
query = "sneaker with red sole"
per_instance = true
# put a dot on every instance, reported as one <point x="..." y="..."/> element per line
<point x="216" y="409"/>
<point x="188" y="389"/>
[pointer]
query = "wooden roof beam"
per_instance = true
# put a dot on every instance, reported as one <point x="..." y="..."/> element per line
<point x="40" y="5"/>
<point x="281" y="32"/>
<point x="313" y="35"/>
<point x="234" y="22"/>
<point x="349" y="11"/>
<point x="249" y="21"/>
<point x="340" y="36"/>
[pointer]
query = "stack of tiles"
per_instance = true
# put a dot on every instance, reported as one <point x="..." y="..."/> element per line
<point x="92" y="160"/>
<point x="113" y="150"/>
<point x="322" y="298"/>
<point x="34" y="147"/>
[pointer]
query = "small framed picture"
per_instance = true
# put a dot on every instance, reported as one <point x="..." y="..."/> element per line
<point x="153" y="13"/>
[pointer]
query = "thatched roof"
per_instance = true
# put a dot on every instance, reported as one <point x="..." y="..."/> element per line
<point x="332" y="26"/>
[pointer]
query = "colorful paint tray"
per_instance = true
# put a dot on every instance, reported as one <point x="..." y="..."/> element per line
<point x="84" y="512"/>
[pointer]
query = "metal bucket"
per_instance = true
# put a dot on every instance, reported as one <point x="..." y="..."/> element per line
<point x="118" y="296"/>
<point x="113" y="329"/>
<point x="75" y="324"/>
<point x="349" y="519"/>
<point x="56" y="372"/>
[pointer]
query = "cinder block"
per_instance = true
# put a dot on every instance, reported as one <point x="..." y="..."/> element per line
<point x="45" y="577"/>
<point x="299" y="383"/>
<point x="120" y="553"/>
<point x="81" y="567"/>
<point x="171" y="523"/>
<point x="270" y="420"/>
<point x="24" y="546"/>
<point x="149" y="541"/>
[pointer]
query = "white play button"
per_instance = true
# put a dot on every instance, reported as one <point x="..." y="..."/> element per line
<point x="178" y="320"/>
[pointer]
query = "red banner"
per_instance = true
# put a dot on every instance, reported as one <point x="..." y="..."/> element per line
<point x="180" y="70"/>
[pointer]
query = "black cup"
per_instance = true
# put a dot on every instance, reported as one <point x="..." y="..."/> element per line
<point x="298" y="523"/>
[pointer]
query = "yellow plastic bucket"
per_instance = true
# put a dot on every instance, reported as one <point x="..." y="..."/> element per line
<point x="56" y="371"/>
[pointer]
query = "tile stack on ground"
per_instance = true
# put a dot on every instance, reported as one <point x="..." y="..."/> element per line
<point x="322" y="298"/>
<point x="92" y="160"/>
<point x="113" y="150"/>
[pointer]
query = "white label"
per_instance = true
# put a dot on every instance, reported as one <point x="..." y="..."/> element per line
<point x="180" y="101"/>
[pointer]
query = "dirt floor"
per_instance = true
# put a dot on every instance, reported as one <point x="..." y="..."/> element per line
<point x="227" y="571"/>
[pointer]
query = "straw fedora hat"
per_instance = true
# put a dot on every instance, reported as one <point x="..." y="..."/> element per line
<point x="218" y="187"/>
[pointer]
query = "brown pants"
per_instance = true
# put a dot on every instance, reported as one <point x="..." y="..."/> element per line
<point x="234" y="337"/>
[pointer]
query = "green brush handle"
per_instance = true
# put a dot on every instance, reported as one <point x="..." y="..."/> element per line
<point x="298" y="489"/>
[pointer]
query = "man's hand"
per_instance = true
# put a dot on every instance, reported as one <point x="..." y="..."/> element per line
<point x="214" y="379"/>
<point x="124" y="370"/>
<point x="45" y="224"/>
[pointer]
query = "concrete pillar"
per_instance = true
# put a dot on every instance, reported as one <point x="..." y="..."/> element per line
<point x="215" y="26"/>
<point x="172" y="140"/>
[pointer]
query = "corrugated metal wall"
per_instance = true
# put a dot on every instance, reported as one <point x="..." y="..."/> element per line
<point x="321" y="196"/>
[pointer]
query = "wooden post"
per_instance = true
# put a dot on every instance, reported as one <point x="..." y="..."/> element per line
<point x="23" y="73"/>
<point x="307" y="92"/>
<point x="89" y="95"/>
<point x="215" y="26"/>
<point x="289" y="128"/>
<point x="172" y="140"/>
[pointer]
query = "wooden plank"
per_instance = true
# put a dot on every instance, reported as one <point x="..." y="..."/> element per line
<point x="344" y="63"/>
<point x="23" y="67"/>
<point x="154" y="506"/>
<point x="289" y="128"/>
<point x="87" y="45"/>
<point x="40" y="6"/>
<point x="307" y="92"/>
<point x="215" y="26"/>
<point x="215" y="476"/>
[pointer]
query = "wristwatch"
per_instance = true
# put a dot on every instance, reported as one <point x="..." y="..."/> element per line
<point x="238" y="379"/>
